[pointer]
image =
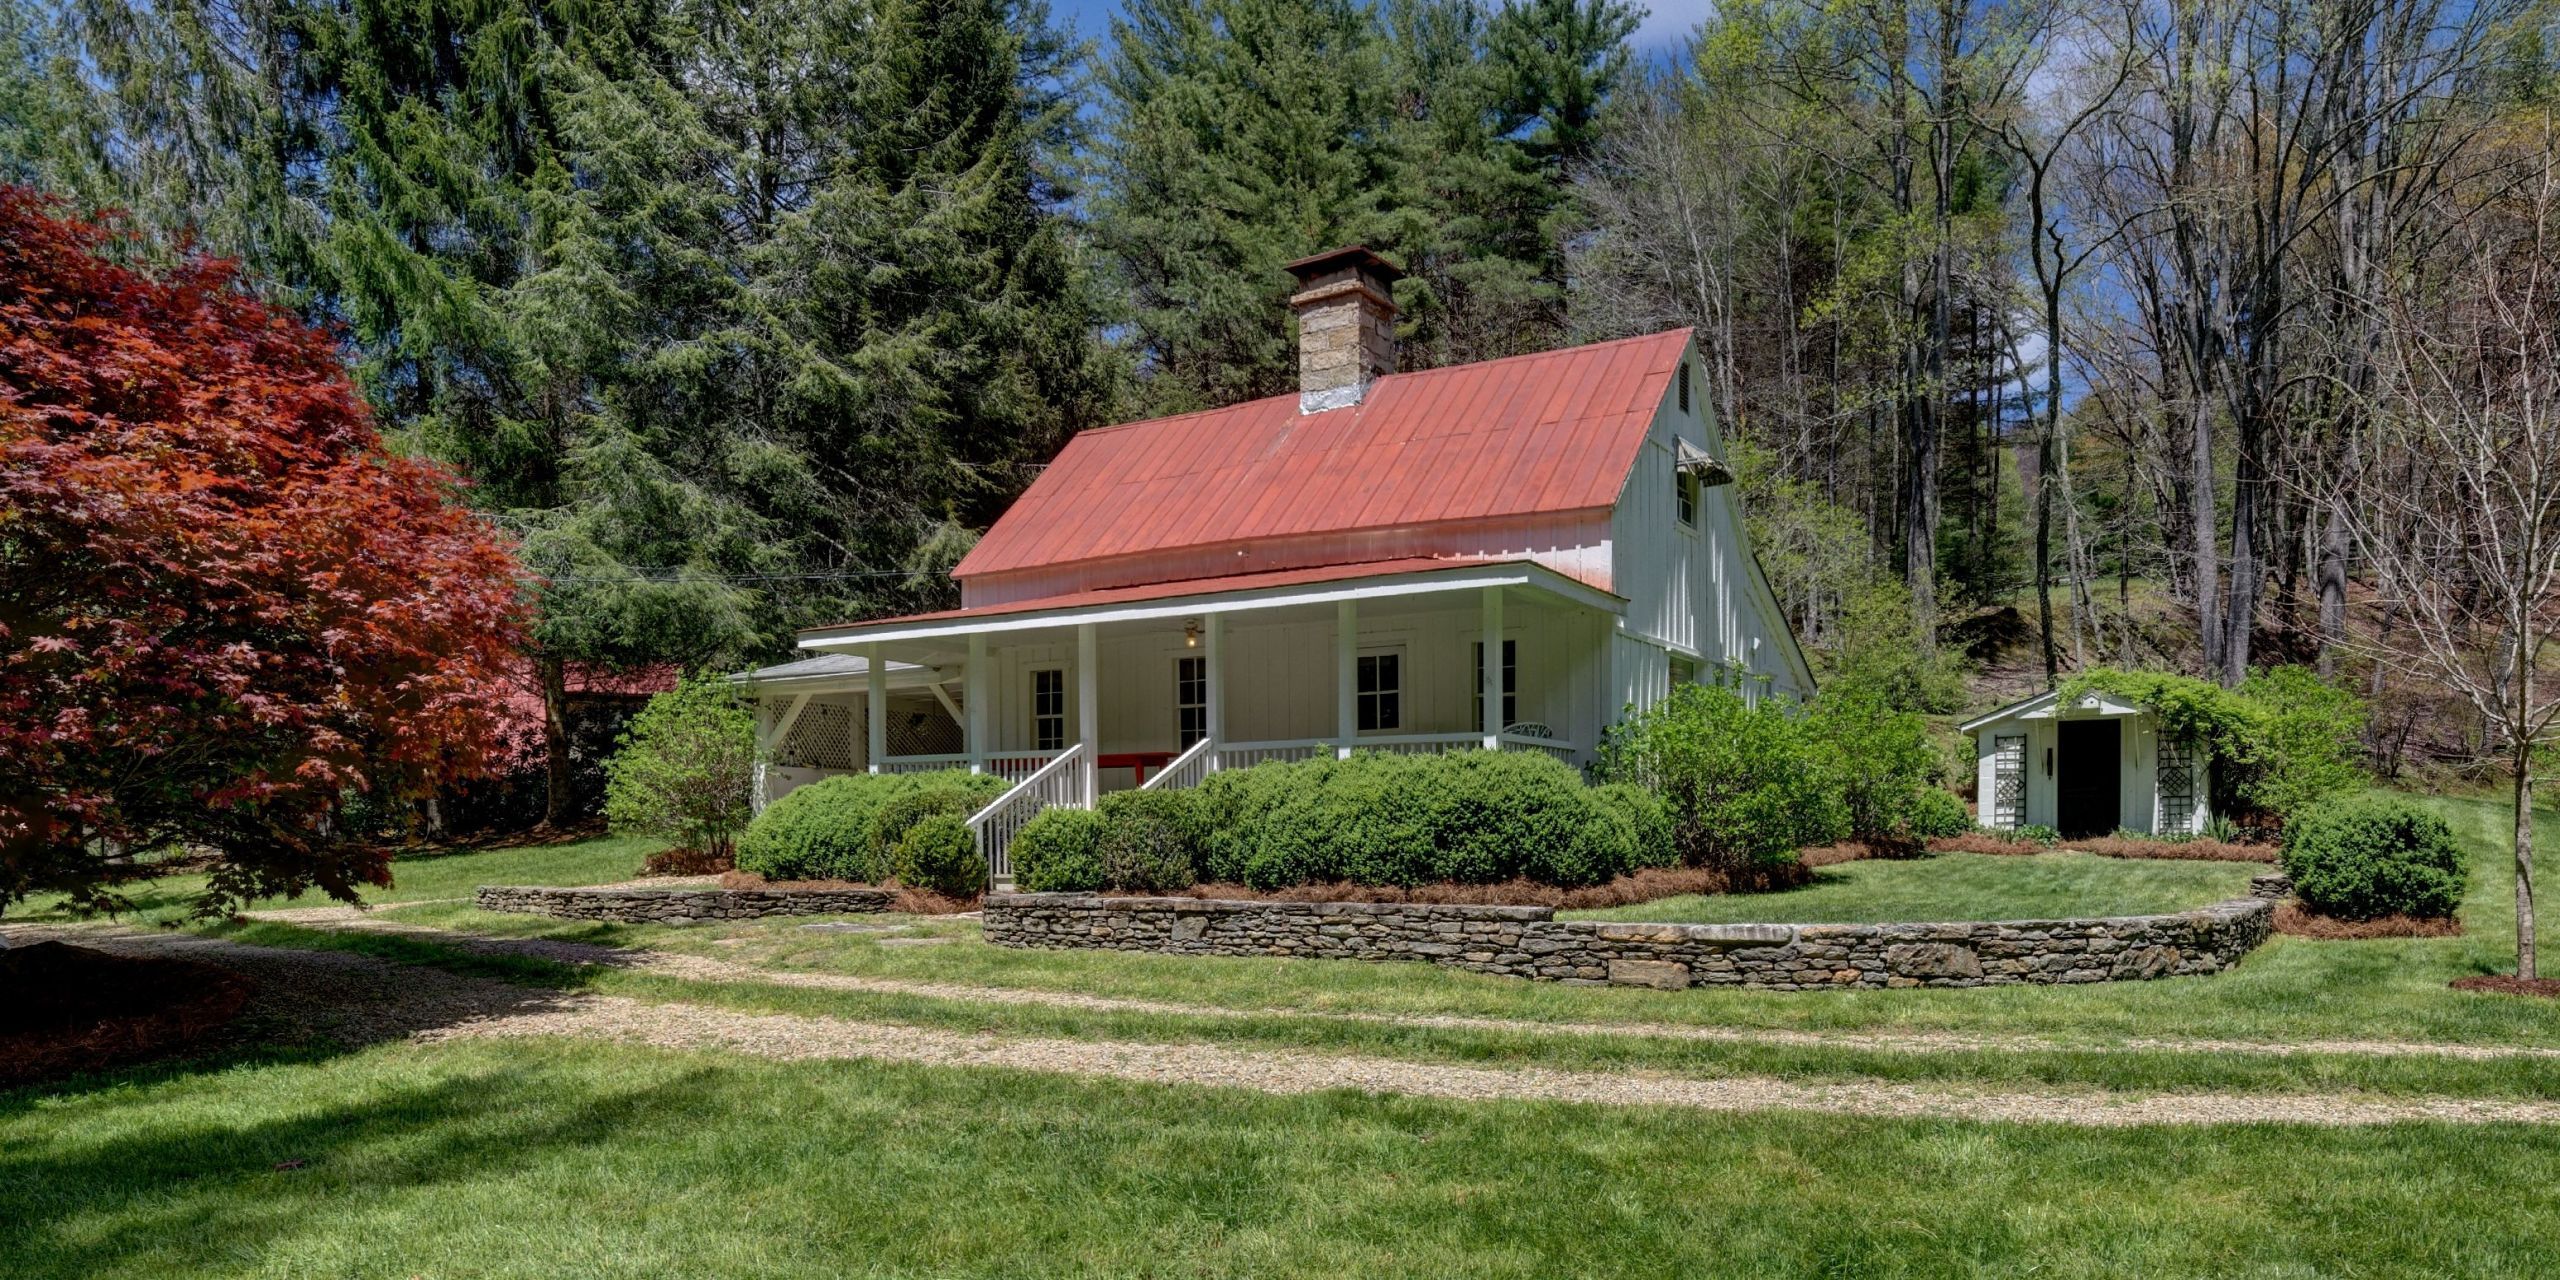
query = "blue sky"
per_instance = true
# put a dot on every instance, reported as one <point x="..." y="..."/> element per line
<point x="1664" y="27"/>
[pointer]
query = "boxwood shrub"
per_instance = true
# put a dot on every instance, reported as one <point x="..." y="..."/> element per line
<point x="1055" y="852"/>
<point x="1936" y="813"/>
<point x="937" y="852"/>
<point x="831" y="828"/>
<point x="1474" y="817"/>
<point x="2367" y="856"/>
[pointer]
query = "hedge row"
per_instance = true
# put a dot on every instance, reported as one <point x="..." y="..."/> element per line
<point x="871" y="827"/>
<point x="1468" y="817"/>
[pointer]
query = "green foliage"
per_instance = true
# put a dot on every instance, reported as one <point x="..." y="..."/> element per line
<point x="1146" y="844"/>
<point x="1058" y="851"/>
<point x="904" y="811"/>
<point x="1473" y="817"/>
<point x="1880" y="653"/>
<point x="939" y="853"/>
<point x="1648" y="827"/>
<point x="1237" y="135"/>
<point x="1935" y="813"/>
<point x="1881" y="759"/>
<point x="2033" y="833"/>
<point x="830" y="829"/>
<point x="1745" y="785"/>
<point x="2279" y="743"/>
<point x="2365" y="856"/>
<point x="685" y="768"/>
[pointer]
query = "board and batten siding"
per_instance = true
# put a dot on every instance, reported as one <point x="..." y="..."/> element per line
<point x="1691" y="590"/>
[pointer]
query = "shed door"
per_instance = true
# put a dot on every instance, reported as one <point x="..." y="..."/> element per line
<point x="2089" y="782"/>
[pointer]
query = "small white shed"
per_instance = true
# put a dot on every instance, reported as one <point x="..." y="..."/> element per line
<point x="2086" y="769"/>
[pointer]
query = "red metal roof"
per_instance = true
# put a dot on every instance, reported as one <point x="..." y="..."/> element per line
<point x="1170" y="590"/>
<point x="1529" y="435"/>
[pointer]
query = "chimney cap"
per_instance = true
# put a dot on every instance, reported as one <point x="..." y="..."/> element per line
<point x="1357" y="255"/>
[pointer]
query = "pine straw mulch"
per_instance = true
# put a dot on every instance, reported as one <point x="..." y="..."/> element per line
<point x="67" y="1009"/>
<point x="2296" y="920"/>
<point x="687" y="862"/>
<point x="2507" y="984"/>
<point x="2197" y="850"/>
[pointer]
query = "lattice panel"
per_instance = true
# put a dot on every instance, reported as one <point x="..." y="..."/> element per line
<point x="2008" y="781"/>
<point x="2177" y="787"/>
<point x="822" y="738"/>
<point x="920" y="727"/>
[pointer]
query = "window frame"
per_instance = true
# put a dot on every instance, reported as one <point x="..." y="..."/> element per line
<point x="1190" y="669"/>
<point x="1685" y="497"/>
<point x="1379" y="709"/>
<point x="1510" y="682"/>
<point x="1041" y="741"/>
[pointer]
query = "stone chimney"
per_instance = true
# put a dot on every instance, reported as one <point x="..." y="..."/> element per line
<point x="1346" y="326"/>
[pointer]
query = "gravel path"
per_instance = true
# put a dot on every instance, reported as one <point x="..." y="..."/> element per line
<point x="357" y="999"/>
<point x="694" y="968"/>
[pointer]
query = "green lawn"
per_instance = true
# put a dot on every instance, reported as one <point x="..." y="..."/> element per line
<point x="544" y="1159"/>
<point x="1964" y="886"/>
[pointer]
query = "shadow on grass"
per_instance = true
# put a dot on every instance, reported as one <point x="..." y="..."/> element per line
<point x="192" y="1191"/>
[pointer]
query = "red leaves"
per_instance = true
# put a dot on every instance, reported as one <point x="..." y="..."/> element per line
<point x="226" y="601"/>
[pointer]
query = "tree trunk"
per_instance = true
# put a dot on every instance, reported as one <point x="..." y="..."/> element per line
<point x="558" y="804"/>
<point x="2208" y="582"/>
<point x="2522" y="748"/>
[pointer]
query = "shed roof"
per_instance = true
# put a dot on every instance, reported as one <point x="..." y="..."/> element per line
<point x="1538" y="434"/>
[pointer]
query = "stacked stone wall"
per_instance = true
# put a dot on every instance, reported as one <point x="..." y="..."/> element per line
<point x="678" y="906"/>
<point x="1529" y="942"/>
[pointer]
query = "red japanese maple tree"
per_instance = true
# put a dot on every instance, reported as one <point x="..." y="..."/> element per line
<point x="224" y="606"/>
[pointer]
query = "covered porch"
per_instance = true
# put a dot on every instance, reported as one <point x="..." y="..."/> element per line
<point x="1159" y="687"/>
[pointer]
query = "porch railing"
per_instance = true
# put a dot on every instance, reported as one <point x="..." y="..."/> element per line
<point x="1186" y="770"/>
<point x="1245" y="755"/>
<point x="923" y="764"/>
<point x="1061" y="781"/>
<point x="1012" y="766"/>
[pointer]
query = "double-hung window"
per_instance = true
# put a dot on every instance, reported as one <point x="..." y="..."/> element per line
<point x="1380" y="691"/>
<point x="1684" y="497"/>
<point x="1190" y="700"/>
<point x="1510" y="683"/>
<point x="1049" y="709"/>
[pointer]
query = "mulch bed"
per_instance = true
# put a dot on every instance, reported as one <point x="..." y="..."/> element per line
<point x="2509" y="985"/>
<point x="687" y="862"/>
<point x="915" y="902"/>
<point x="2301" y="922"/>
<point x="67" y="1009"/>
<point x="2198" y="850"/>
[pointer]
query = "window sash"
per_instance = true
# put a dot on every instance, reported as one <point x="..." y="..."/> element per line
<point x="1379" y="690"/>
<point x="1049" y="709"/>
<point x="1190" y="701"/>
<point x="1510" y="683"/>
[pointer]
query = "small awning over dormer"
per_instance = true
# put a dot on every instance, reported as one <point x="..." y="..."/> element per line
<point x="1708" y="468"/>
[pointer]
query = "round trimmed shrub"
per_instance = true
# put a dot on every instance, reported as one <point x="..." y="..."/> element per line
<point x="1144" y="851"/>
<point x="1056" y="852"/>
<point x="938" y="853"/>
<point x="905" y="811"/>
<point x="1648" y="827"/>
<point x="1936" y="813"/>
<point x="826" y="830"/>
<point x="2370" y="856"/>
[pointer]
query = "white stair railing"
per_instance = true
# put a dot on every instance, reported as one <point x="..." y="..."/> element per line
<point x="1186" y="770"/>
<point x="1062" y="781"/>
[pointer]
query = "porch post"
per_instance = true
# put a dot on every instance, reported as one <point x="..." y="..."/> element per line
<point x="1489" y="680"/>
<point x="875" y="706"/>
<point x="973" y="688"/>
<point x="1214" y="714"/>
<point x="1089" y="711"/>
<point x="1346" y="676"/>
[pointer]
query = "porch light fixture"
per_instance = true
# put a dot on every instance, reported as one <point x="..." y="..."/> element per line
<point x="1191" y="633"/>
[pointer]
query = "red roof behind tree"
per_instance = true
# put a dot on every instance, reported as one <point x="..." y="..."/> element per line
<point x="1526" y="436"/>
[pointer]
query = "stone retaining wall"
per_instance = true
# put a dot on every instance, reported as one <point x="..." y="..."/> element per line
<point x="678" y="906"/>
<point x="1529" y="942"/>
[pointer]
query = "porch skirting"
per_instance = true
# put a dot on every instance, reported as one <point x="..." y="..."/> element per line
<point x="1529" y="942"/>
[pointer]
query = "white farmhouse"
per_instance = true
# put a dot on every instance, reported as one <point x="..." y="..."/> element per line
<point x="1505" y="555"/>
